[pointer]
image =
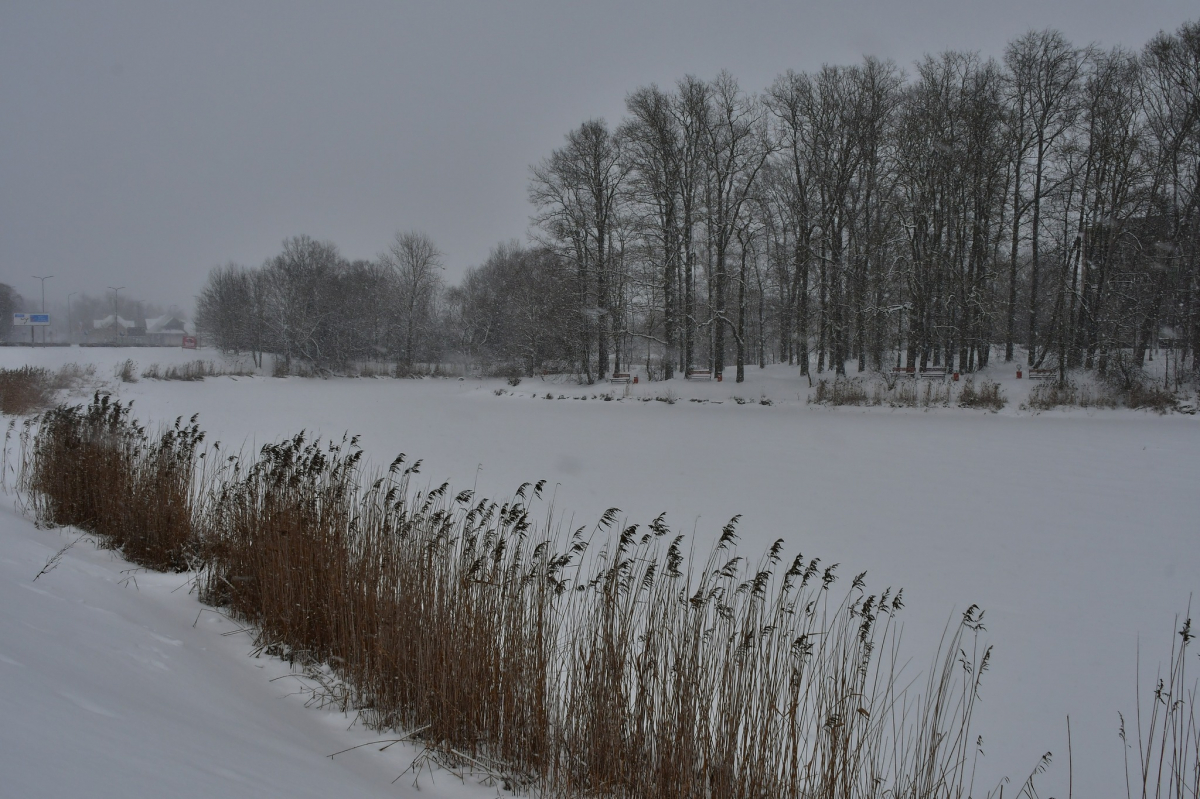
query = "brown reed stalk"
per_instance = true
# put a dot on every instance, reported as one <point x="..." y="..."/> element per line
<point x="98" y="470"/>
<point x="607" y="662"/>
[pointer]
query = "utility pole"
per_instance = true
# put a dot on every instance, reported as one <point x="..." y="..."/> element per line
<point x="116" y="309"/>
<point x="43" y="279"/>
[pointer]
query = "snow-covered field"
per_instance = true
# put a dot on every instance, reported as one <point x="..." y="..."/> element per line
<point x="1078" y="532"/>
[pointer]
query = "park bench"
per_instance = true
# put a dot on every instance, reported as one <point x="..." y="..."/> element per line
<point x="1043" y="374"/>
<point x="619" y="377"/>
<point x="699" y="374"/>
<point x="904" y="371"/>
<point x="933" y="373"/>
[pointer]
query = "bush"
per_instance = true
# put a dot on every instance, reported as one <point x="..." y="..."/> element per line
<point x="127" y="372"/>
<point x="1152" y="396"/>
<point x="988" y="395"/>
<point x="1051" y="394"/>
<point x="840" y="391"/>
<point x="1111" y="393"/>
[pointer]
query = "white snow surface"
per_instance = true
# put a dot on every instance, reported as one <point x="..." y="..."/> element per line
<point x="1077" y="531"/>
<point x="115" y="683"/>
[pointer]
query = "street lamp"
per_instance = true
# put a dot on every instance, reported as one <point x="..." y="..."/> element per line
<point x="43" y="279"/>
<point x="116" y="308"/>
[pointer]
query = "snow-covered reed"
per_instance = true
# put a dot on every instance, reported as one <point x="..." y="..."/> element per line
<point x="607" y="660"/>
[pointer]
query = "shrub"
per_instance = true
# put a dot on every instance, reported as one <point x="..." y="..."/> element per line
<point x="988" y="395"/>
<point x="1051" y="394"/>
<point x="127" y="372"/>
<point x="840" y="391"/>
<point x="1152" y="396"/>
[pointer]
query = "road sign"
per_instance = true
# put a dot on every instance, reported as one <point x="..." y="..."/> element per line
<point x="26" y="319"/>
<point x="189" y="342"/>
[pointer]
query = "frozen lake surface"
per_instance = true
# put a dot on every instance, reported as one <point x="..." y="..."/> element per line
<point x="1078" y="532"/>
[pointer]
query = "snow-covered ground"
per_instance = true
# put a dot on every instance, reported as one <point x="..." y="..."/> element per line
<point x="114" y="683"/>
<point x="1078" y="531"/>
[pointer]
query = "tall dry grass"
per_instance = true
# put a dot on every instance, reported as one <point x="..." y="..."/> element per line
<point x="27" y="389"/>
<point x="1166" y="735"/>
<point x="607" y="661"/>
<point x="622" y="671"/>
<point x="192" y="371"/>
<point x="885" y="391"/>
<point x="97" y="469"/>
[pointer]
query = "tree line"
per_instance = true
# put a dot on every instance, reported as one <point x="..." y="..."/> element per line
<point x="855" y="217"/>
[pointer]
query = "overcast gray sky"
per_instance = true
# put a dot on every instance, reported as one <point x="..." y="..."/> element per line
<point x="142" y="143"/>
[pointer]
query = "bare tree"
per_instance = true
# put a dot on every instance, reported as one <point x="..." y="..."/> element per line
<point x="417" y="265"/>
<point x="577" y="192"/>
<point x="736" y="148"/>
<point x="1047" y="72"/>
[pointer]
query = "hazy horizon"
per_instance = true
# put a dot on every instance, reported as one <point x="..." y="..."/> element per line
<point x="145" y="143"/>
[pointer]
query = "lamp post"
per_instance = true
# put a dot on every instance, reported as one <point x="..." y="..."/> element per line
<point x="43" y="279"/>
<point x="116" y="290"/>
<point x="69" y="317"/>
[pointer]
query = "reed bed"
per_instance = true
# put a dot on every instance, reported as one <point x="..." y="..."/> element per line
<point x="192" y="371"/>
<point x="885" y="391"/>
<point x="27" y="389"/>
<point x="601" y="661"/>
<point x="97" y="469"/>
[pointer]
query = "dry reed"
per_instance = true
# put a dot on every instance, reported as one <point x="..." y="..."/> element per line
<point x="24" y="390"/>
<point x="609" y="661"/>
<point x="98" y="470"/>
<point x="1168" y="732"/>
<point x="191" y="371"/>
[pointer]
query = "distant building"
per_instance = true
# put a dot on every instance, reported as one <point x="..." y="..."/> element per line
<point x="167" y="330"/>
<point x="106" y="327"/>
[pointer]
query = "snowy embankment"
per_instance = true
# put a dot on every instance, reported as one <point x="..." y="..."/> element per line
<point x="115" y="684"/>
<point x="1078" y="532"/>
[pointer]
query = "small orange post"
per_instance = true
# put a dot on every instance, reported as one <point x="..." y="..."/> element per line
<point x="635" y="377"/>
<point x="1018" y="373"/>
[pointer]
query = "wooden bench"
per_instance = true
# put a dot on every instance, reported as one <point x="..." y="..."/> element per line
<point x="1043" y="374"/>
<point x="619" y="377"/>
<point x="933" y="373"/>
<point x="699" y="374"/>
<point x="904" y="371"/>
